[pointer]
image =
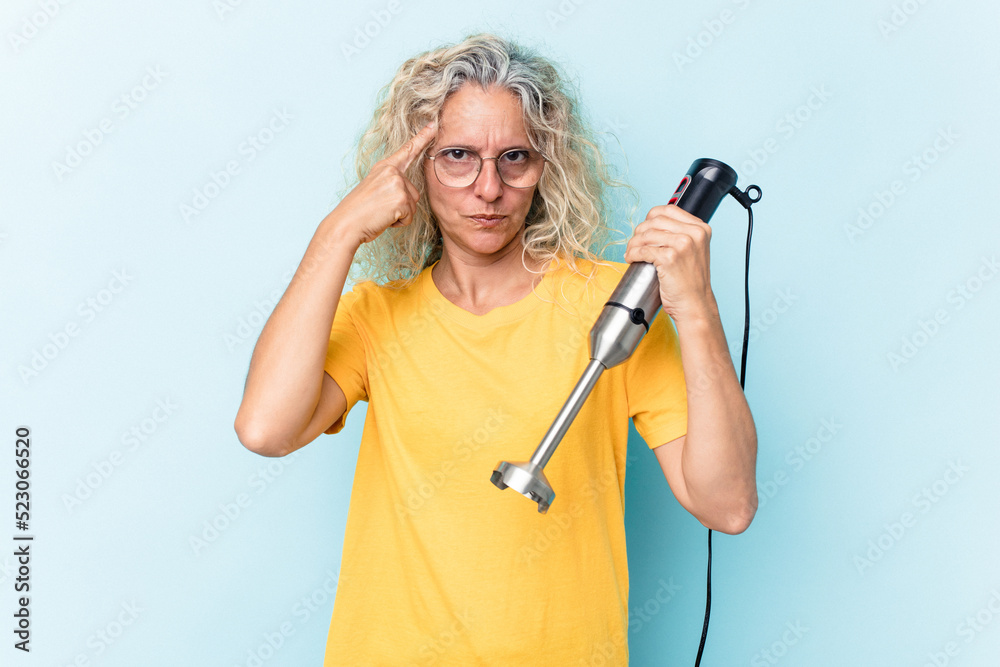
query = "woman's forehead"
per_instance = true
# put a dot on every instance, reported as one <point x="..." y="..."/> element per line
<point x="473" y="116"/>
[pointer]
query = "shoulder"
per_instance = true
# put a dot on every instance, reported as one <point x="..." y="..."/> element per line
<point x="369" y="304"/>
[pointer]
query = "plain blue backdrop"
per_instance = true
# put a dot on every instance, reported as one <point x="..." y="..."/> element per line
<point x="165" y="165"/>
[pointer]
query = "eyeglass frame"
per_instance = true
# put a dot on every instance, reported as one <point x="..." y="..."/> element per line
<point x="479" y="171"/>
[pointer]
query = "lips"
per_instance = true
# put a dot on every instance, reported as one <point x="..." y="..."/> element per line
<point x="487" y="219"/>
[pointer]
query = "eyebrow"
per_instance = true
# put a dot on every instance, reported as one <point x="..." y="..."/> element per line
<point x="513" y="147"/>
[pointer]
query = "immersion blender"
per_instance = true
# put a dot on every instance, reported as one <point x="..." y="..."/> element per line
<point x="619" y="328"/>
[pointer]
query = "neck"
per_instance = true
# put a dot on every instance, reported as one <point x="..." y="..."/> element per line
<point x="480" y="283"/>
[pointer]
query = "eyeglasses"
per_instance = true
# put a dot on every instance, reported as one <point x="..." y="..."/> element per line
<point x="460" y="167"/>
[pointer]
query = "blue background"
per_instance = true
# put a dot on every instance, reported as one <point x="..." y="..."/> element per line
<point x="876" y="546"/>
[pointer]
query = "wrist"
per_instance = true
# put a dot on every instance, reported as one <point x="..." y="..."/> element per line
<point x="337" y="233"/>
<point x="700" y="314"/>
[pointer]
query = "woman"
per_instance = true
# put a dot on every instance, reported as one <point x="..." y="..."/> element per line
<point x="479" y="204"/>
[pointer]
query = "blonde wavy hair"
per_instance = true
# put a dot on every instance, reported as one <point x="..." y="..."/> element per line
<point x="572" y="201"/>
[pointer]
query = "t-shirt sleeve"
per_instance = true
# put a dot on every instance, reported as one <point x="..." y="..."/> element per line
<point x="345" y="355"/>
<point x="654" y="381"/>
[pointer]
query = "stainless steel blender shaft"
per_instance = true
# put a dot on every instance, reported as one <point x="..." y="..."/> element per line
<point x="613" y="338"/>
<point x="527" y="477"/>
<point x="567" y="414"/>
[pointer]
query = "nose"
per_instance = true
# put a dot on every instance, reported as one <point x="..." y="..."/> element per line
<point x="488" y="184"/>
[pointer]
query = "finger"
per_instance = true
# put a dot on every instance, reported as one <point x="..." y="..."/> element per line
<point x="647" y="254"/>
<point x="666" y="239"/>
<point x="675" y="212"/>
<point x="410" y="206"/>
<point x="410" y="188"/>
<point x="696" y="229"/>
<point x="402" y="158"/>
<point x="406" y="219"/>
<point x="405" y="215"/>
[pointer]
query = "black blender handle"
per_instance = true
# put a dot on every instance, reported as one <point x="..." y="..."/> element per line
<point x="703" y="187"/>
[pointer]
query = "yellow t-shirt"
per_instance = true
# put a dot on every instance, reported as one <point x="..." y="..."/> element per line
<point x="440" y="567"/>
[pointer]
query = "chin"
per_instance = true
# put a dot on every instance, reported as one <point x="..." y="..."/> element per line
<point x="488" y="248"/>
<point x="487" y="242"/>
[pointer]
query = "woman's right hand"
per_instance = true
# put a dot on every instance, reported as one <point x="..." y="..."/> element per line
<point x="385" y="197"/>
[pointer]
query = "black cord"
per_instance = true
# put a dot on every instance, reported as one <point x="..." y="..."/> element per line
<point x="746" y="306"/>
<point x="746" y="200"/>
<point x="708" y="602"/>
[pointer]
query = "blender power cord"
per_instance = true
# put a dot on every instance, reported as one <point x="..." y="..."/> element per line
<point x="746" y="200"/>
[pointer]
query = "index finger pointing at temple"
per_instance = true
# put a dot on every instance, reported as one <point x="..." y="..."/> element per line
<point x="402" y="158"/>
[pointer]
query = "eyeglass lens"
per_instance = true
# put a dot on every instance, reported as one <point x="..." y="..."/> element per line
<point x="459" y="167"/>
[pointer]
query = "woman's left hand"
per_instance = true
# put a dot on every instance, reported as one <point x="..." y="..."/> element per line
<point x="676" y="243"/>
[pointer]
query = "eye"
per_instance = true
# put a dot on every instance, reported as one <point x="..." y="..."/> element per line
<point x="456" y="155"/>
<point x="516" y="157"/>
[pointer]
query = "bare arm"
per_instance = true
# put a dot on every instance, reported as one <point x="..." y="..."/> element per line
<point x="289" y="399"/>
<point x="711" y="469"/>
